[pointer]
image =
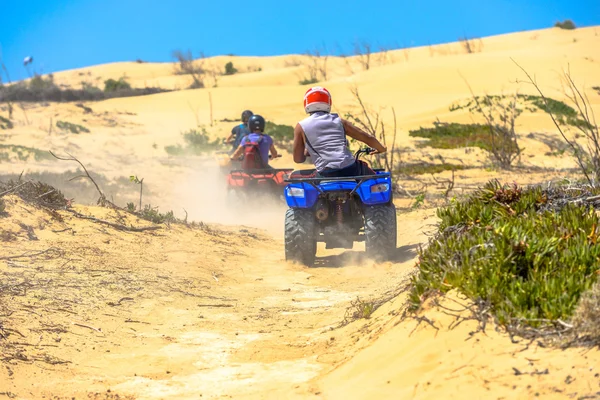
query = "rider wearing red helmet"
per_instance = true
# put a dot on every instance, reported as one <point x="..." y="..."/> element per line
<point x="323" y="136"/>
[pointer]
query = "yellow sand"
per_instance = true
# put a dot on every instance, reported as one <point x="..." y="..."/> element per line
<point x="128" y="136"/>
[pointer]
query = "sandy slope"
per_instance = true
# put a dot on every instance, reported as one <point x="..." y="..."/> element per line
<point x="416" y="361"/>
<point x="420" y="84"/>
<point x="179" y="337"/>
<point x="176" y="312"/>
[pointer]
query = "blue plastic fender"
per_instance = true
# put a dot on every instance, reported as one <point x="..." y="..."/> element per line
<point x="369" y="198"/>
<point x="311" y="194"/>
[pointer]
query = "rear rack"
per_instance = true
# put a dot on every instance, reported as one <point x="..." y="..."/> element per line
<point x="262" y="171"/>
<point x="360" y="180"/>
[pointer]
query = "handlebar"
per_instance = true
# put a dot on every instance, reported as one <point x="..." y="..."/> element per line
<point x="366" y="150"/>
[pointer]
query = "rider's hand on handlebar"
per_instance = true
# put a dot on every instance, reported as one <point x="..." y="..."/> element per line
<point x="375" y="151"/>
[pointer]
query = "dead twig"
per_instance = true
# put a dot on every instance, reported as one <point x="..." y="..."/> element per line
<point x="87" y="326"/>
<point x="103" y="201"/>
<point x="215" y="305"/>
<point x="14" y="188"/>
<point x="422" y="319"/>
<point x="114" y="225"/>
<point x="118" y="303"/>
<point x="27" y="254"/>
<point x="592" y="135"/>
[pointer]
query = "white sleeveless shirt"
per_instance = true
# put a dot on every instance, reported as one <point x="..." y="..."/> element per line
<point x="325" y="139"/>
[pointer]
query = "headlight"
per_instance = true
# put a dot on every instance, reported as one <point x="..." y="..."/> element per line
<point x="380" y="188"/>
<point x="295" y="192"/>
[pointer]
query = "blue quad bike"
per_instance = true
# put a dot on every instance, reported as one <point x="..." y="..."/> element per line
<point x="339" y="212"/>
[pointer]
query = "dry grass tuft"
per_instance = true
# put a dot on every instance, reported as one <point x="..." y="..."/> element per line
<point x="586" y="319"/>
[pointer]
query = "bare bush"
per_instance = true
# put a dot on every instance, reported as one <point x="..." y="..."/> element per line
<point x="385" y="57"/>
<point x="9" y="103"/>
<point x="41" y="88"/>
<point x="585" y="125"/>
<point x="372" y="122"/>
<point x="586" y="319"/>
<point x="500" y="114"/>
<point x="186" y="65"/>
<point x="363" y="52"/>
<point x="322" y="64"/>
<point x="471" y="45"/>
<point x="406" y="53"/>
<point x="566" y="24"/>
<point x="292" y="62"/>
<point x="316" y="66"/>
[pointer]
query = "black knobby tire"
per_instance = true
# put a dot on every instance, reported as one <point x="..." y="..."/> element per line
<point x="380" y="231"/>
<point x="300" y="236"/>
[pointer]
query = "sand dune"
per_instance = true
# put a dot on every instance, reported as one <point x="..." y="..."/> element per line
<point x="128" y="135"/>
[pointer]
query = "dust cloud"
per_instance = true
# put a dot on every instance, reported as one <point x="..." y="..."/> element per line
<point x="203" y="193"/>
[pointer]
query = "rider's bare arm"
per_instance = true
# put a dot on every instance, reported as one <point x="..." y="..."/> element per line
<point x="298" y="148"/>
<point x="237" y="153"/>
<point x="232" y="136"/>
<point x="273" y="150"/>
<point x="363" y="136"/>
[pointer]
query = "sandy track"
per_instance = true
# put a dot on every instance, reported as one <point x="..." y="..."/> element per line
<point x="180" y="312"/>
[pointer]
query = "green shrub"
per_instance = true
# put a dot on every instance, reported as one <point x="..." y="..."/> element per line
<point x="279" y="132"/>
<point x="527" y="255"/>
<point x="40" y="88"/>
<point x="426" y="168"/>
<point x="2" y="206"/>
<point x="5" y="123"/>
<point x="23" y="153"/>
<point x="196" y="142"/>
<point x="152" y="214"/>
<point x="111" y="85"/>
<point x="309" y="81"/>
<point x="91" y="90"/>
<point x="454" y="135"/>
<point x="555" y="107"/>
<point x="419" y="200"/>
<point x="38" y="82"/>
<point x="565" y="114"/>
<point x="566" y="24"/>
<point x="36" y="192"/>
<point x="230" y="69"/>
<point x="199" y="142"/>
<point x="174" y="150"/>
<point x="73" y="128"/>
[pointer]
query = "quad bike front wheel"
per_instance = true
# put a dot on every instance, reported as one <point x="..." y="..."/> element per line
<point x="300" y="236"/>
<point x="380" y="231"/>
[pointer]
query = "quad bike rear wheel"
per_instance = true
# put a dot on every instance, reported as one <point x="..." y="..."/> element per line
<point x="300" y="236"/>
<point x="380" y="231"/>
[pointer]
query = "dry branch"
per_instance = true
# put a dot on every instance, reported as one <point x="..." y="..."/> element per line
<point x="29" y="254"/>
<point x="88" y="327"/>
<point x="14" y="188"/>
<point x="588" y="126"/>
<point x="103" y="201"/>
<point x="504" y="143"/>
<point x="114" y="225"/>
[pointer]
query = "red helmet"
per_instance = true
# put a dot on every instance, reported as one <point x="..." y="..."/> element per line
<point x="317" y="98"/>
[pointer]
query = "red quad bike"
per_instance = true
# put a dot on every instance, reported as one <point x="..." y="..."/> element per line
<point x="256" y="183"/>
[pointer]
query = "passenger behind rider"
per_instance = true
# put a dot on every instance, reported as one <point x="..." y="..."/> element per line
<point x="323" y="136"/>
<point x="239" y="131"/>
<point x="264" y="142"/>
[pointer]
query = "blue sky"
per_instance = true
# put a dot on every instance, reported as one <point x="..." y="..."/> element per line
<point x="64" y="34"/>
